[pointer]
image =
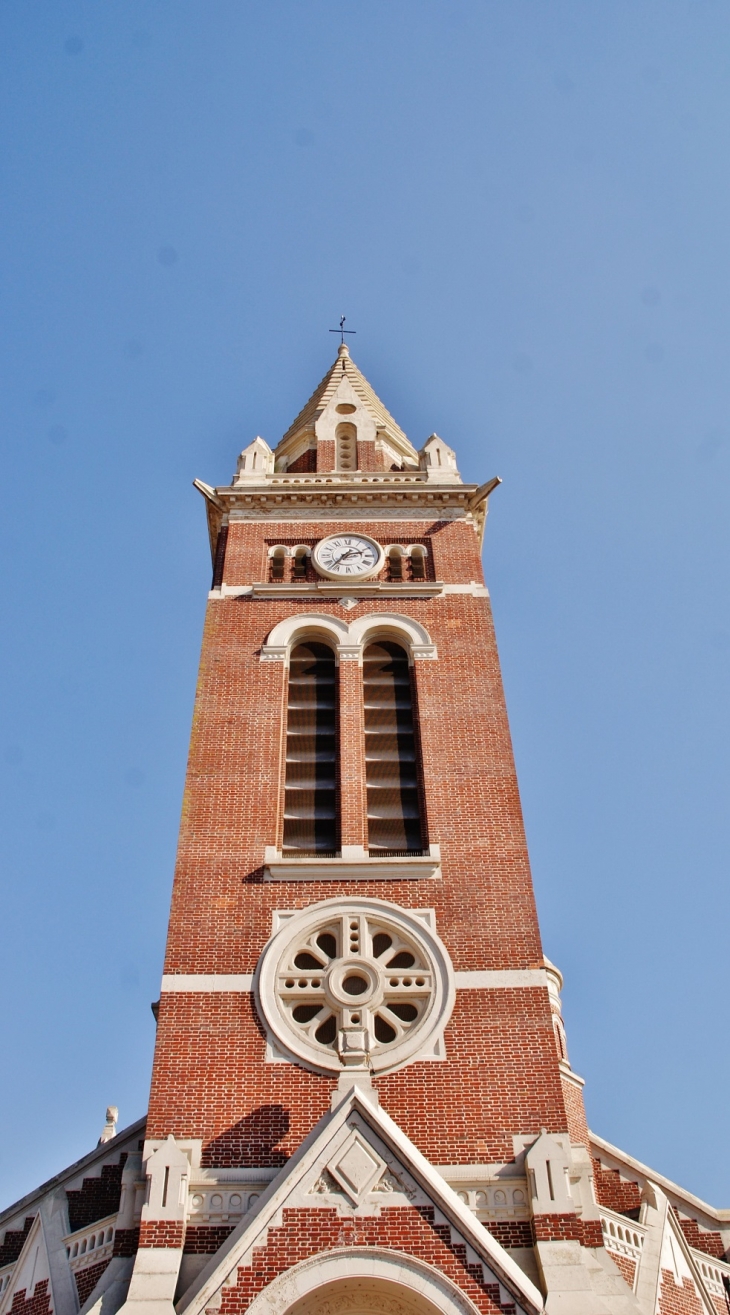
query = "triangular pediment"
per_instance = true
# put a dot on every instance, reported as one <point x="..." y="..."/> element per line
<point x="359" y="1165"/>
<point x="32" y="1273"/>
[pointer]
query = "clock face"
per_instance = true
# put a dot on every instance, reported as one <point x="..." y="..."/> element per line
<point x="347" y="556"/>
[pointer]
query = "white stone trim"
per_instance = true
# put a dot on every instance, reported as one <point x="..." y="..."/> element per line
<point x="295" y="629"/>
<point x="81" y="1254"/>
<point x="623" y="1236"/>
<point x="354" y="863"/>
<point x="476" y="590"/>
<point x="438" y="973"/>
<point x="328" y="589"/>
<point x="493" y="979"/>
<point x="350" y="588"/>
<point x="349" y="639"/>
<point x="490" y="980"/>
<point x="208" y="983"/>
<point x="401" y="1274"/>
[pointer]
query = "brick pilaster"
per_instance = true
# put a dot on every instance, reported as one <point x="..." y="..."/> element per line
<point x="353" y="793"/>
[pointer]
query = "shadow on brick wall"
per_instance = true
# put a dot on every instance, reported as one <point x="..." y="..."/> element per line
<point x="251" y="1141"/>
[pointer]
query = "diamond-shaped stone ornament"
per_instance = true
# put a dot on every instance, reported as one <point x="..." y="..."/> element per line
<point x="356" y="1167"/>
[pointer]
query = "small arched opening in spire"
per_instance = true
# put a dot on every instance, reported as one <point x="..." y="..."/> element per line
<point x="346" y="447"/>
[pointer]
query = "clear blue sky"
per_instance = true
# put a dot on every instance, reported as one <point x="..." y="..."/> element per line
<point x="523" y="208"/>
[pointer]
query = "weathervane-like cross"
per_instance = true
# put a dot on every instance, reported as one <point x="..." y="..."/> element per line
<point x="342" y="330"/>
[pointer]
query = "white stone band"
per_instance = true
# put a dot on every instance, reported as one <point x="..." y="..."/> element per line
<point x="490" y="980"/>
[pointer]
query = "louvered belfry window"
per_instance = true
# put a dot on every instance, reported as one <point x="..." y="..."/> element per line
<point x="310" y="797"/>
<point x="394" y="810"/>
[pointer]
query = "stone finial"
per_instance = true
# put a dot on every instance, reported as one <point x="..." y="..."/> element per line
<point x="110" y="1127"/>
<point x="439" y="461"/>
<point x="255" y="462"/>
<point x="548" y="1163"/>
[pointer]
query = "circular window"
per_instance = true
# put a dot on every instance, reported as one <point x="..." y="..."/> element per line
<point x="360" y="984"/>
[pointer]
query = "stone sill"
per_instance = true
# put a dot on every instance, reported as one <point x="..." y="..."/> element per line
<point x="348" y="588"/>
<point x="354" y="864"/>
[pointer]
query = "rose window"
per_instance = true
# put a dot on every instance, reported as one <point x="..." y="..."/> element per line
<point x="357" y="984"/>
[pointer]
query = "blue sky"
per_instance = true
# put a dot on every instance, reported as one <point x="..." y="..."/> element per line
<point x="522" y="206"/>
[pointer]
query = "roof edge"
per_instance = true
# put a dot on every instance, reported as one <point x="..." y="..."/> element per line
<point x="99" y="1153"/>
<point x="721" y="1215"/>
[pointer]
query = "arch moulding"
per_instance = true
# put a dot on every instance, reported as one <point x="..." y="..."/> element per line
<point x="362" y="1279"/>
<point x="348" y="640"/>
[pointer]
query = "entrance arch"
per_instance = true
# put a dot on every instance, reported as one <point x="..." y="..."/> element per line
<point x="362" y="1281"/>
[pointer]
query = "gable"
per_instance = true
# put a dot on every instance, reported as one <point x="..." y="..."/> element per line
<point x="358" y="1182"/>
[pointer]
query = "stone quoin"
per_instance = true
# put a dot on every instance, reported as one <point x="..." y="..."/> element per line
<point x="361" y="1098"/>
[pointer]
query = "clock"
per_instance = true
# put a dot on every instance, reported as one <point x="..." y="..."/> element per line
<point x="347" y="557"/>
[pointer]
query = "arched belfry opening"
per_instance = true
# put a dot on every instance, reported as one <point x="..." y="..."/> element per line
<point x="394" y="819"/>
<point x="310" y="793"/>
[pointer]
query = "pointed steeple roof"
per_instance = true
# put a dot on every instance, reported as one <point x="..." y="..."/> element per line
<point x="344" y="369"/>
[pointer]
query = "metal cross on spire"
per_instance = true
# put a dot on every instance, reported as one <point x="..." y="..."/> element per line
<point x="342" y="330"/>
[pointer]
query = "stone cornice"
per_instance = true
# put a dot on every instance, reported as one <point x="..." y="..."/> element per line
<point x="334" y="496"/>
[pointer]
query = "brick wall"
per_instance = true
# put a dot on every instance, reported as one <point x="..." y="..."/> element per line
<point x="568" y="1228"/>
<point x="161" y="1233"/>
<point x="305" y="463"/>
<point x="511" y="1232"/>
<point x="454" y="547"/>
<point x="615" y="1192"/>
<point x="702" y="1239"/>
<point x="97" y="1197"/>
<point x="576" y="1113"/>
<point x="37" y="1304"/>
<point x="625" y="1266"/>
<point x="674" y="1300"/>
<point x="87" y="1279"/>
<point x="205" y="1240"/>
<point x="12" y="1243"/>
<point x="126" y="1241"/>
<point x="307" y="1232"/>
<point x="498" y="1076"/>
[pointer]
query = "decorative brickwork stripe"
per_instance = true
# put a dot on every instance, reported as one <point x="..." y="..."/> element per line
<point x="496" y="979"/>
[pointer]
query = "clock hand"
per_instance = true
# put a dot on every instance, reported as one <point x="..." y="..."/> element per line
<point x="347" y="553"/>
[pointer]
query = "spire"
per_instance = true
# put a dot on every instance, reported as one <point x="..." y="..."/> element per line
<point x="345" y="386"/>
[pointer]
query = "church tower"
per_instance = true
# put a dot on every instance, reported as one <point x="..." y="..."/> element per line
<point x="361" y="1097"/>
<point x="353" y="931"/>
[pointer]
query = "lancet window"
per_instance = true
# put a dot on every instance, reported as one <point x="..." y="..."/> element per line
<point x="311" y="795"/>
<point x="391" y="758"/>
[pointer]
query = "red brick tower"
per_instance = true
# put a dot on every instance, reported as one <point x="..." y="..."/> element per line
<point x="361" y="1101"/>
<point x="356" y="1018"/>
